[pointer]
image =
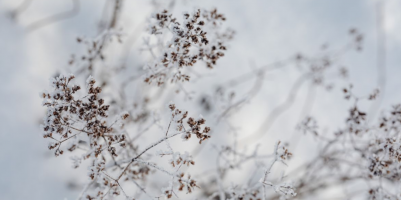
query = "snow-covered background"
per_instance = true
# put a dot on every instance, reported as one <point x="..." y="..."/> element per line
<point x="267" y="31"/>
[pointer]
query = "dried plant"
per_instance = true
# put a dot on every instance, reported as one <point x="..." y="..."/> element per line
<point x="113" y="132"/>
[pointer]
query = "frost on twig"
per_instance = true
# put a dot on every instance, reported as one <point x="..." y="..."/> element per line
<point x="281" y="154"/>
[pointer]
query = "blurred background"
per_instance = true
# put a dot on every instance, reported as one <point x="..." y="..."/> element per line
<point x="38" y="38"/>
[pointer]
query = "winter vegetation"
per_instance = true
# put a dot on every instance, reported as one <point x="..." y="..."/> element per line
<point x="165" y="111"/>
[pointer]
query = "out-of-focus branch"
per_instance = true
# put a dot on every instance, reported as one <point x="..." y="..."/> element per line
<point x="21" y="8"/>
<point x="269" y="121"/>
<point x="116" y="11"/>
<point x="381" y="58"/>
<point x="55" y="18"/>
<point x="305" y="110"/>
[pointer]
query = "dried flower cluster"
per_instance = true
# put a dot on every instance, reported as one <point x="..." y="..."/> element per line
<point x="196" y="39"/>
<point x="67" y="116"/>
<point x="195" y="126"/>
